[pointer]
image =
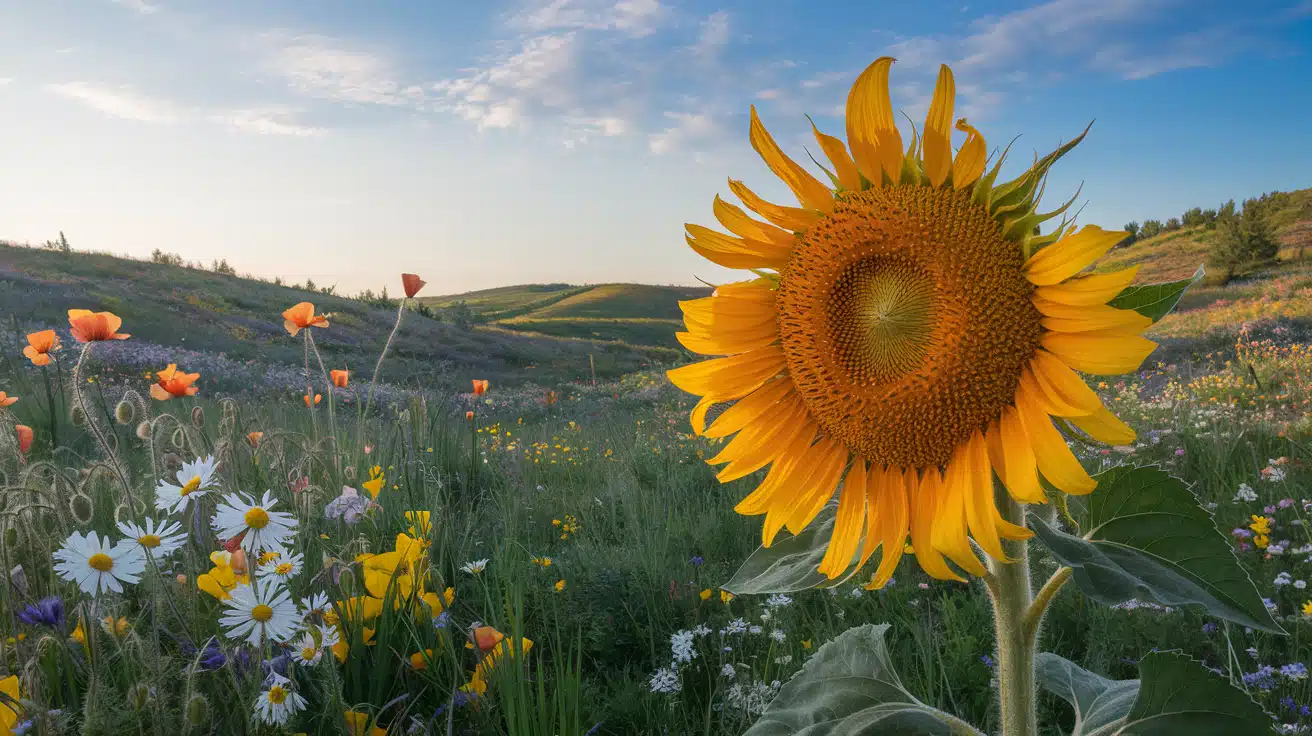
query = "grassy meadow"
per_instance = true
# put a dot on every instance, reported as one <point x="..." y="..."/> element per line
<point x="568" y="505"/>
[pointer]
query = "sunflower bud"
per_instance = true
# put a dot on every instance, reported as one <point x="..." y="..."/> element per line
<point x="143" y="431"/>
<point x="198" y="710"/>
<point x="82" y="508"/>
<point x="77" y="416"/>
<point x="139" y="696"/>
<point x="125" y="412"/>
<point x="197" y="417"/>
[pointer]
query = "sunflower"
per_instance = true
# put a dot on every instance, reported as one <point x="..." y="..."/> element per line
<point x="909" y="334"/>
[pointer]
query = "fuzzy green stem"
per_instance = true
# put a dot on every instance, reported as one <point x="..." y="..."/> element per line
<point x="378" y="367"/>
<point x="50" y="404"/>
<point x="110" y="458"/>
<point x="1012" y="596"/>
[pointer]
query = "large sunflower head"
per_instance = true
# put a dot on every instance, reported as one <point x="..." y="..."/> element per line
<point x="910" y="333"/>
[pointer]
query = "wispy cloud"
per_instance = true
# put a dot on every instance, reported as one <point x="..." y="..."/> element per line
<point x="119" y="102"/>
<point x="714" y="34"/>
<point x="141" y="6"/>
<point x="507" y="92"/>
<point x="635" y="18"/>
<point x="687" y="129"/>
<point x="5" y="81"/>
<point x="267" y="121"/>
<point x="1193" y="50"/>
<point x="326" y="68"/>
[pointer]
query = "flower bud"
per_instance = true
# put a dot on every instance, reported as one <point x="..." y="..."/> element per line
<point x="139" y="696"/>
<point x="125" y="412"/>
<point x="198" y="710"/>
<point x="82" y="508"/>
<point x="143" y="431"/>
<point x="77" y="416"/>
<point x="197" y="417"/>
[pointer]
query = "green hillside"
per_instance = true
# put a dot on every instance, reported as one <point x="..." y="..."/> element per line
<point x="232" y="324"/>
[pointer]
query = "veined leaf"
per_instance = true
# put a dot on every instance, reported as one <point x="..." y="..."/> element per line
<point x="1155" y="301"/>
<point x="789" y="565"/>
<point x="849" y="687"/>
<point x="1174" y="695"/>
<point x="1148" y="538"/>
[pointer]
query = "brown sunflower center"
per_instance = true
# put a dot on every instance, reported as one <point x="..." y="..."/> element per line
<point x="906" y="321"/>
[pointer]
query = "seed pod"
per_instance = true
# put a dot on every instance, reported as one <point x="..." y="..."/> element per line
<point x="17" y="576"/>
<point x="77" y="416"/>
<point x="82" y="508"/>
<point x="197" y="417"/>
<point x="139" y="696"/>
<point x="349" y="472"/>
<point x="125" y="412"/>
<point x="143" y="431"/>
<point x="198" y="710"/>
<point x="122" y="513"/>
<point x="179" y="439"/>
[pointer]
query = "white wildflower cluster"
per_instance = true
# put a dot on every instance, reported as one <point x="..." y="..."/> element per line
<point x="681" y="645"/>
<point x="778" y="600"/>
<point x="666" y="680"/>
<point x="1245" y="494"/>
<point x="751" y="698"/>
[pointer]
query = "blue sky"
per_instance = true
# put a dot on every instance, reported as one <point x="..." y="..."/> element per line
<point x="489" y="143"/>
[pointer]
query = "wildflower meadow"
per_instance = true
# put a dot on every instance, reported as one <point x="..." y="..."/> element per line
<point x="971" y="482"/>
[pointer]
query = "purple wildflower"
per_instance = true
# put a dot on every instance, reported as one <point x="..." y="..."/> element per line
<point x="696" y="560"/>
<point x="1179" y="452"/>
<point x="1209" y="628"/>
<point x="46" y="612"/>
<point x="988" y="661"/>
<point x="1286" y="503"/>
<point x="1268" y="509"/>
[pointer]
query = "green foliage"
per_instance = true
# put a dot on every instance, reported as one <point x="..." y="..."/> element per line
<point x="1155" y="300"/>
<point x="1098" y="702"/>
<point x="789" y="564"/>
<point x="1246" y="239"/>
<point x="1147" y="538"/>
<point x="850" y="687"/>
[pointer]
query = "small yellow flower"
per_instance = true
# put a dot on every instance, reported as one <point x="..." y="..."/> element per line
<point x="375" y="482"/>
<point x="706" y="594"/>
<point x="119" y="629"/>
<point x="1307" y="608"/>
<point x="726" y="596"/>
<point x="806" y="643"/>
<point x="560" y="585"/>
<point x="79" y="634"/>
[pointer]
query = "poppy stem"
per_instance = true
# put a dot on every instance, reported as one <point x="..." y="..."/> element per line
<point x="1012" y="595"/>
<point x="332" y="413"/>
<point x="110" y="457"/>
<point x="378" y="367"/>
<point x="50" y="401"/>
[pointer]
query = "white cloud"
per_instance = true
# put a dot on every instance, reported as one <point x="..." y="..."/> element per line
<point x="714" y="34"/>
<point x="138" y="5"/>
<point x="824" y="79"/>
<point x="635" y="18"/>
<point x="768" y="94"/>
<point x="1185" y="52"/>
<point x="4" y="81"/>
<point x="318" y="66"/>
<point x="688" y="128"/>
<point x="119" y="102"/>
<point x="1064" y="27"/>
<point x="539" y="74"/>
<point x="267" y="121"/>
<point x="582" y="129"/>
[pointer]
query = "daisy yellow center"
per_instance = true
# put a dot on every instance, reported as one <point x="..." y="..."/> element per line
<point x="191" y="486"/>
<point x="906" y="320"/>
<point x="257" y="518"/>
<point x="261" y="613"/>
<point x="101" y="562"/>
<point x="308" y="653"/>
<point x="283" y="569"/>
<point x="149" y="541"/>
<point x="277" y="695"/>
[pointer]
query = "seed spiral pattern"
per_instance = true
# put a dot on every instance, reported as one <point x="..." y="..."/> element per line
<point x="906" y="321"/>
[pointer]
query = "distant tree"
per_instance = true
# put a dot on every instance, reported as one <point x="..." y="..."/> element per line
<point x="277" y="281"/>
<point x="1245" y="239"/>
<point x="1132" y="228"/>
<point x="1226" y="211"/>
<point x="1209" y="219"/>
<point x="309" y="285"/>
<point x="64" y="247"/>
<point x="459" y="314"/>
<point x="328" y="289"/>
<point x="166" y="259"/>
<point x="1149" y="229"/>
<point x="1172" y="224"/>
<point x="222" y="266"/>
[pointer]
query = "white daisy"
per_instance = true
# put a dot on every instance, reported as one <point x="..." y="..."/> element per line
<point x="277" y="703"/>
<point x="475" y="567"/>
<point x="282" y="570"/>
<point x="328" y="637"/>
<point x="314" y="607"/>
<point x="94" y="565"/>
<point x="267" y="613"/>
<point x="306" y="652"/>
<point x="156" y="539"/>
<point x="264" y="529"/>
<point x="194" y="480"/>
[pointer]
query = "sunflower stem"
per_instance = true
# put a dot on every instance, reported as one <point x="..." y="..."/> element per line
<point x="1012" y="597"/>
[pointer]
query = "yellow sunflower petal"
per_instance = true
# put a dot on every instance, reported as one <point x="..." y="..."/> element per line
<point x="698" y="418"/>
<point x="1059" y="390"/>
<point x="1055" y="460"/>
<point x="730" y="378"/>
<point x="1105" y="427"/>
<point x="877" y="487"/>
<point x="809" y="190"/>
<point x="1012" y="457"/>
<point x="787" y="469"/>
<point x="783" y="492"/>
<point x="892" y="526"/>
<point x="831" y="459"/>
<point x="1098" y="317"/>
<point x="847" y="523"/>
<point x="792" y="219"/>
<point x="871" y="130"/>
<point x="1070" y="255"/>
<point x="951" y="534"/>
<point x="751" y="451"/>
<point x="982" y="515"/>
<point x="1082" y="291"/>
<point x="750" y="408"/>
<point x="740" y="223"/>
<point x="725" y="343"/>
<point x="923" y="500"/>
<point x="844" y="166"/>
<point x="1099" y="353"/>
<point x="938" y="129"/>
<point x="969" y="164"/>
<point x="730" y="252"/>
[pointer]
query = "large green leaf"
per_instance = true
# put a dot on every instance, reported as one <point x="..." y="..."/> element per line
<point x="1174" y="695"/>
<point x="1155" y="300"/>
<point x="1098" y="702"/>
<point x="789" y="565"/>
<point x="1149" y="539"/>
<point x="849" y="688"/>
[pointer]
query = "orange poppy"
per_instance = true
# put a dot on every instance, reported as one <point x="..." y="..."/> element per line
<point x="340" y="378"/>
<point x="469" y="416"/>
<point x="6" y="399"/>
<point x="480" y="387"/>
<point x="39" y="346"/>
<point x="412" y="284"/>
<point x="24" y="437"/>
<point x="317" y="398"/>
<point x="551" y="398"/>
<point x="302" y="316"/>
<point x="254" y="438"/>
<point x="487" y="637"/>
<point x="91" y="326"/>
<point x="172" y="383"/>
